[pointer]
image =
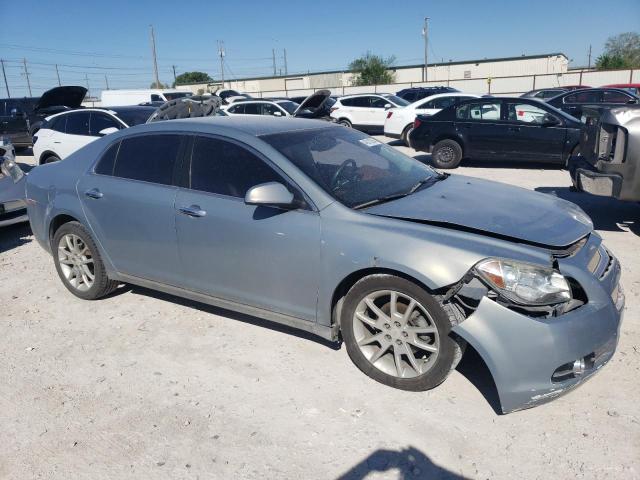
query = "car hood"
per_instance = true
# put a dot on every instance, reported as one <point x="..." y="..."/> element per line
<point x="312" y="105"/>
<point x="492" y="208"/>
<point x="67" y="96"/>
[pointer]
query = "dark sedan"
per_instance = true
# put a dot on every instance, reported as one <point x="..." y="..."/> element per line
<point x="573" y="102"/>
<point x="498" y="128"/>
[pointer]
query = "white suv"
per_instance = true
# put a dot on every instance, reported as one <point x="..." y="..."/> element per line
<point x="365" y="111"/>
<point x="276" y="108"/>
<point x="66" y="132"/>
<point x="399" y="121"/>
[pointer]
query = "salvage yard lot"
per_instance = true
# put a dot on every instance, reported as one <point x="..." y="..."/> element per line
<point x="145" y="385"/>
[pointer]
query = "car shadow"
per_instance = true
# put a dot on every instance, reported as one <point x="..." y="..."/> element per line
<point x="14" y="236"/>
<point x="409" y="463"/>
<point x="607" y="213"/>
<point x="223" y="312"/>
<point x="523" y="165"/>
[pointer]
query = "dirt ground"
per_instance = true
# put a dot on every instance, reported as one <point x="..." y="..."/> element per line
<point x="144" y="385"/>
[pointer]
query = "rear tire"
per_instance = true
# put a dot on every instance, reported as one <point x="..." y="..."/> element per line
<point x="345" y="123"/>
<point x="404" y="136"/>
<point x="79" y="264"/>
<point x="407" y="346"/>
<point x="51" y="158"/>
<point x="446" y="154"/>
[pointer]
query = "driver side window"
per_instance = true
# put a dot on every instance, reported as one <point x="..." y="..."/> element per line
<point x="226" y="168"/>
<point x="527" y="113"/>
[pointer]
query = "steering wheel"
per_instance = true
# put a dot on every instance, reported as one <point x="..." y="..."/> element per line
<point x="336" y="182"/>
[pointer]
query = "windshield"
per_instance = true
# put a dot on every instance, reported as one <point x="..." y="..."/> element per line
<point x="288" y="106"/>
<point x="134" y="116"/>
<point x="350" y="166"/>
<point x="174" y="95"/>
<point x="401" y="102"/>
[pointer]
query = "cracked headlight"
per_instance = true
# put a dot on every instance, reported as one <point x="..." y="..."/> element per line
<point x="525" y="283"/>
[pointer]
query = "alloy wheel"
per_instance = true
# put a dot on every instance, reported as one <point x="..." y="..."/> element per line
<point x="76" y="262"/>
<point x="396" y="334"/>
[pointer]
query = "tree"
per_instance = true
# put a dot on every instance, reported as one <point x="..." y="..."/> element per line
<point x="162" y="85"/>
<point x="372" y="69"/>
<point x="621" y="51"/>
<point x="193" y="77"/>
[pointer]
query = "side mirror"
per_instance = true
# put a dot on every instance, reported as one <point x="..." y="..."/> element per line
<point x="277" y="114"/>
<point x="271" y="194"/>
<point x="387" y="106"/>
<point x="632" y="101"/>
<point x="10" y="168"/>
<point x="107" y="131"/>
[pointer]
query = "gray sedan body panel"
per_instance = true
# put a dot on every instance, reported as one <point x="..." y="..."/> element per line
<point x="289" y="265"/>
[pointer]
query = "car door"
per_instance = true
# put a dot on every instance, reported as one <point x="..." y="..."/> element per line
<point x="14" y="123"/>
<point x="128" y="200"/>
<point x="359" y="109"/>
<point x="536" y="134"/>
<point x="484" y="133"/>
<point x="77" y="134"/>
<point x="377" y="111"/>
<point x="255" y="255"/>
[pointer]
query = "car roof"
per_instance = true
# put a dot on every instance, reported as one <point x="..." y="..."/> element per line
<point x="254" y="125"/>
<point x="597" y="89"/>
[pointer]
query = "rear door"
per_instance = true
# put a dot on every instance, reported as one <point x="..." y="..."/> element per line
<point x="129" y="203"/>
<point x="532" y="137"/>
<point x="484" y="132"/>
<point x="255" y="255"/>
<point x="77" y="134"/>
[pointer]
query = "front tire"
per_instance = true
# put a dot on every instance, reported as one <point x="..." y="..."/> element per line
<point x="79" y="264"/>
<point x="345" y="123"/>
<point x="398" y="334"/>
<point x="446" y="154"/>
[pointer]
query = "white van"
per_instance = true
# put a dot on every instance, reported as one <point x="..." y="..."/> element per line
<point x="112" y="98"/>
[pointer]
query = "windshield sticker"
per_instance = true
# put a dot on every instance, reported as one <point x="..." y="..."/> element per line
<point x="369" y="142"/>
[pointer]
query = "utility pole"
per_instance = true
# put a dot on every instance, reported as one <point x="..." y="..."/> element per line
<point x="106" y="80"/>
<point x="589" y="64"/>
<point x="155" y="60"/>
<point x="286" y="71"/>
<point x="221" y="54"/>
<point x="175" y="80"/>
<point x="58" y="75"/>
<point x="425" y="33"/>
<point x="4" y="74"/>
<point x="26" y="74"/>
<point x="86" y="79"/>
<point x="273" y="53"/>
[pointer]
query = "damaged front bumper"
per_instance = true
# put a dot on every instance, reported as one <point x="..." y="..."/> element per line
<point x="534" y="360"/>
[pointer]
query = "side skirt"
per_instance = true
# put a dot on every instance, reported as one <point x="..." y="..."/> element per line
<point x="328" y="333"/>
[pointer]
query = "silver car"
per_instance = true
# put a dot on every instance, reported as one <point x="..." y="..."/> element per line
<point x="323" y="228"/>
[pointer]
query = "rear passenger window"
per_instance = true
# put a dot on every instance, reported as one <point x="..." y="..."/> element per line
<point x="611" y="96"/>
<point x="479" y="111"/>
<point x="108" y="160"/>
<point x="59" y="124"/>
<point x="150" y="158"/>
<point x="222" y="167"/>
<point x="252" y="109"/>
<point x="78" y="123"/>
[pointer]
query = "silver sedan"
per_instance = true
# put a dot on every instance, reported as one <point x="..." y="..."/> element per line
<point x="325" y="229"/>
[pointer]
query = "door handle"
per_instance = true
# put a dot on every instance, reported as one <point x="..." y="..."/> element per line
<point x="94" y="193"/>
<point x="56" y="142"/>
<point x="193" y="211"/>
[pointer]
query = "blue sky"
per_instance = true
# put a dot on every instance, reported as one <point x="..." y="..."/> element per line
<point x="112" y="37"/>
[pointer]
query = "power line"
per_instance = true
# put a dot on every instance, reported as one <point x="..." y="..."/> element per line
<point x="66" y="52"/>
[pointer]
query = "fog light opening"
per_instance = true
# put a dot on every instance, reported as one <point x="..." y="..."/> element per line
<point x="575" y="369"/>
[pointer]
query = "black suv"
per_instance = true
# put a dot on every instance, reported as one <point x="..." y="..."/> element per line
<point x="498" y="128"/>
<point x="418" y="93"/>
<point x="20" y="118"/>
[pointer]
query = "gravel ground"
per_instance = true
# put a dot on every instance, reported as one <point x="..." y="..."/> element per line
<point x="144" y="385"/>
